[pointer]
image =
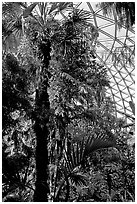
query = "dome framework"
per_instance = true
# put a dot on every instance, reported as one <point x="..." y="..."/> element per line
<point x="115" y="49"/>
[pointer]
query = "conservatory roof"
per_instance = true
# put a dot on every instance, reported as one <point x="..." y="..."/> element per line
<point x="115" y="48"/>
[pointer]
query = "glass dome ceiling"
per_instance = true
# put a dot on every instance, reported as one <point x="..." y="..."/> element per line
<point x="115" y="48"/>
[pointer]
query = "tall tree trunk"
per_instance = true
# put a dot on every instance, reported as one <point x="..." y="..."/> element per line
<point x="42" y="132"/>
<point x="41" y="128"/>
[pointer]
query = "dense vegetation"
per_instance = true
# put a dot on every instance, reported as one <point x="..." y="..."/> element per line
<point x="61" y="140"/>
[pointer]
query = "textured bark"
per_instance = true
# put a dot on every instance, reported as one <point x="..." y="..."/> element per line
<point x="42" y="132"/>
<point x="41" y="126"/>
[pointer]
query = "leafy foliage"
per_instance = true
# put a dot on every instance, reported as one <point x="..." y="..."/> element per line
<point x="124" y="10"/>
<point x="56" y="113"/>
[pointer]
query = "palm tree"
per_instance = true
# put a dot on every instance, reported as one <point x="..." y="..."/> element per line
<point x="17" y="23"/>
<point x="45" y="37"/>
<point x="12" y="25"/>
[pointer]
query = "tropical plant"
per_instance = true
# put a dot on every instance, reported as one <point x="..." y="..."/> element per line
<point x="41" y="100"/>
<point x="59" y="94"/>
<point x="78" y="97"/>
<point x="18" y="137"/>
<point x="125" y="11"/>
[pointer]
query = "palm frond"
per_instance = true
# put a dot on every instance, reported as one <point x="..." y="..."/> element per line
<point x="60" y="6"/>
<point x="42" y="7"/>
<point x="11" y="8"/>
<point x="12" y="25"/>
<point x="80" y="16"/>
<point x="77" y="154"/>
<point x="100" y="142"/>
<point x="54" y="6"/>
<point x="106" y="7"/>
<point x="64" y="5"/>
<point x="29" y="10"/>
<point x="79" y="151"/>
<point x="79" y="179"/>
<point x="15" y="24"/>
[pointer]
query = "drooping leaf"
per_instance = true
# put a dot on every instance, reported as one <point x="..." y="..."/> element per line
<point x="132" y="106"/>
